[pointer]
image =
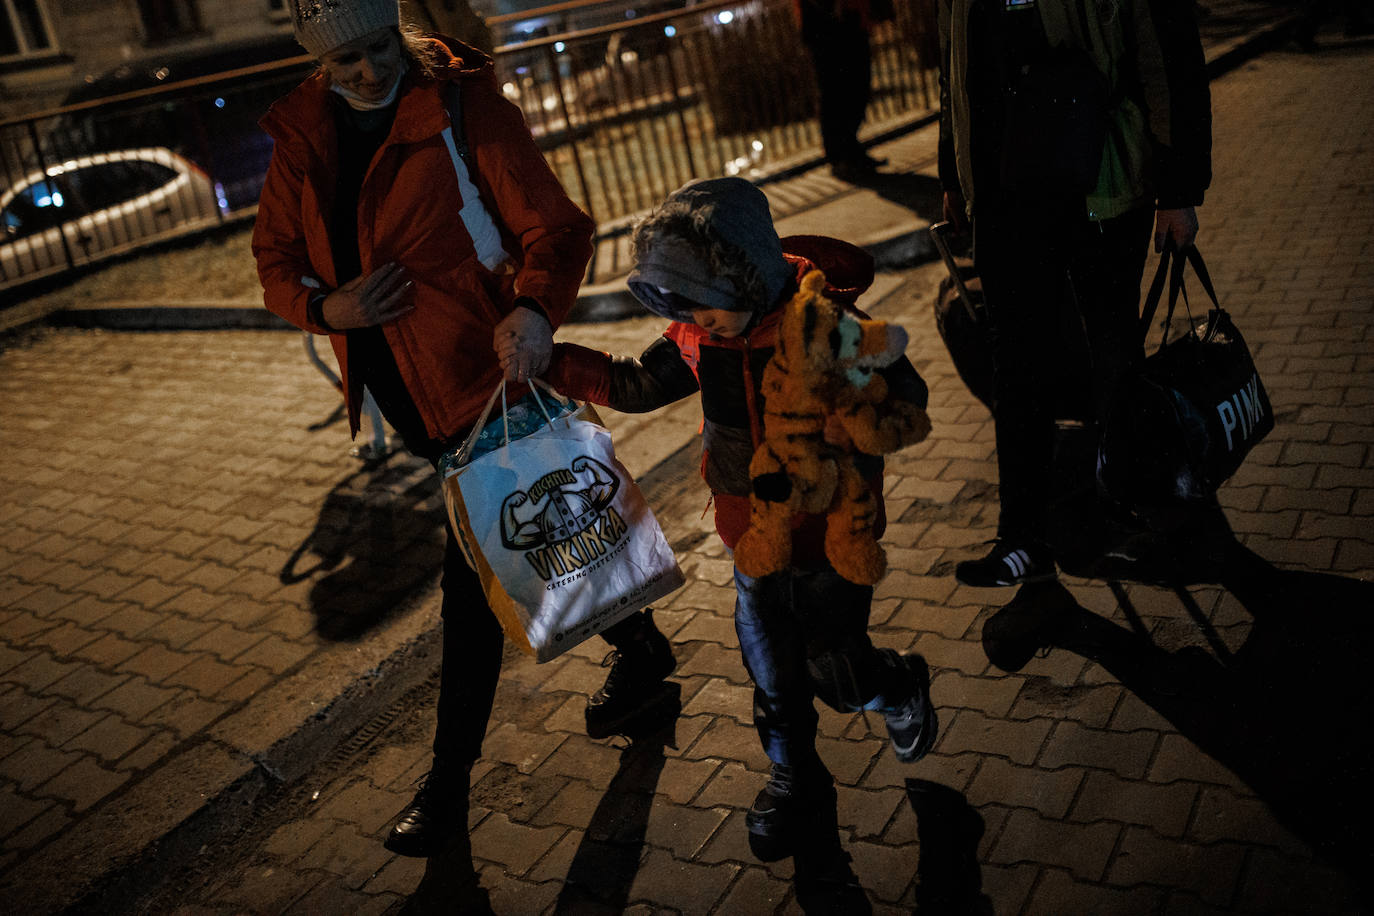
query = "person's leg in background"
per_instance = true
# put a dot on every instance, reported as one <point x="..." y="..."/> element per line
<point x="1021" y="254"/>
<point x="842" y="59"/>
<point x="1106" y="268"/>
<point x="470" y="668"/>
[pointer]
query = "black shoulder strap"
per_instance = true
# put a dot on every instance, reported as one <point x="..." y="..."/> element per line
<point x="453" y="104"/>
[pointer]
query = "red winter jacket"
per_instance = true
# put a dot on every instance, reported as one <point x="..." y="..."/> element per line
<point x="409" y="213"/>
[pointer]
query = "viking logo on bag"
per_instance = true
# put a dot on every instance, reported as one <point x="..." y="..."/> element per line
<point x="565" y="522"/>
<point x="1244" y="409"/>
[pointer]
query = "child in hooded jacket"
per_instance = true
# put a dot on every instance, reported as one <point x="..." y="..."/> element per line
<point x="709" y="260"/>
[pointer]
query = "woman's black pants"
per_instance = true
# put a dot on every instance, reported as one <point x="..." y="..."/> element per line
<point x="471" y="666"/>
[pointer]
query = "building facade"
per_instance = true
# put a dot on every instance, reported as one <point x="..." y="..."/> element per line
<point x="50" y="47"/>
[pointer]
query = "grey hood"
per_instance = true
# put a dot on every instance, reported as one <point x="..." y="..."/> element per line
<point x="711" y="242"/>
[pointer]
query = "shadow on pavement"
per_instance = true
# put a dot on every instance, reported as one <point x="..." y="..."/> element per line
<point x="920" y="194"/>
<point x="450" y="885"/>
<point x="1285" y="712"/>
<point x="604" y="866"/>
<point x="378" y="538"/>
<point x="948" y="877"/>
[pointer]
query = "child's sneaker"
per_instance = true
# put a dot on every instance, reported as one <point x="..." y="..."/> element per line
<point x="1008" y="563"/>
<point x="914" y="725"/>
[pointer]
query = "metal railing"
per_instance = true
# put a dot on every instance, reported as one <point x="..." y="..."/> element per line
<point x="623" y="113"/>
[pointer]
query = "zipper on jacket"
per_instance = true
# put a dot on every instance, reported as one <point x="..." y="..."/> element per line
<point x="750" y="400"/>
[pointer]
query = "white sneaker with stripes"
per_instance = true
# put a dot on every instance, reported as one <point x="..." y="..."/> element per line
<point x="1007" y="564"/>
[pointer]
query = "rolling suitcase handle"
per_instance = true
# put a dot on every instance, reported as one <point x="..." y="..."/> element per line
<point x="938" y="233"/>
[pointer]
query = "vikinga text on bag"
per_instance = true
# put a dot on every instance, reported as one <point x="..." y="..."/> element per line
<point x="575" y="530"/>
<point x="1245" y="409"/>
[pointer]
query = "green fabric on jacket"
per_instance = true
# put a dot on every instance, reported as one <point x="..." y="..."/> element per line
<point x="1130" y="48"/>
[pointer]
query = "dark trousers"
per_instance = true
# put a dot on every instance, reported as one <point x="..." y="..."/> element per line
<point x="471" y="664"/>
<point x="803" y="635"/>
<point x="1024" y="255"/>
<point x="842" y="58"/>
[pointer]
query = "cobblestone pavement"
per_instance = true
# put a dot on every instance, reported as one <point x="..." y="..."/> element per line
<point x="191" y="565"/>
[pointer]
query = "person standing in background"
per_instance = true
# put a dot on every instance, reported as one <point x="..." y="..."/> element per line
<point x="836" y="35"/>
<point x="1041" y="238"/>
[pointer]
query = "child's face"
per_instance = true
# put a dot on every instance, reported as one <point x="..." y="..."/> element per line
<point x="721" y="322"/>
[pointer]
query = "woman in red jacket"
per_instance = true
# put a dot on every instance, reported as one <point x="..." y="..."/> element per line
<point x="408" y="214"/>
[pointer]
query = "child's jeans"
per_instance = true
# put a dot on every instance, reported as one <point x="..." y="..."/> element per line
<point x="803" y="635"/>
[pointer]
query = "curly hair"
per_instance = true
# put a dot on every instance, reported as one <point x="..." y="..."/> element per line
<point x="679" y="219"/>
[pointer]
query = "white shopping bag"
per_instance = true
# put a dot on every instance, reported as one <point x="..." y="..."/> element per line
<point x="557" y="530"/>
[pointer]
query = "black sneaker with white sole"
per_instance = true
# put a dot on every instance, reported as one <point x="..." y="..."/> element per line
<point x="1008" y="563"/>
<point x="914" y="725"/>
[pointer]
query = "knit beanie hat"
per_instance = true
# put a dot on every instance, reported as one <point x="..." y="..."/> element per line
<point x="711" y="244"/>
<point x="323" y="25"/>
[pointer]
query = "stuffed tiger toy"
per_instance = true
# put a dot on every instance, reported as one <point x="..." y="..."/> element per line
<point x="823" y="370"/>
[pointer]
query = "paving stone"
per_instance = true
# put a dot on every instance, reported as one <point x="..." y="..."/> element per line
<point x="1057" y="892"/>
<point x="682" y="781"/>
<point x="1083" y="850"/>
<point x="83" y="783"/>
<point x="1210" y="871"/>
<point x="1128" y="755"/>
<point x="731" y="786"/>
<point x="37" y="831"/>
<point x="150" y="753"/>
<point x="205" y="674"/>
<point x="993" y="696"/>
<point x="721" y="698"/>
<point x="157" y="663"/>
<point x="109" y="651"/>
<point x="1050" y="792"/>
<point x="515" y="846"/>
<point x="327" y="897"/>
<point x="60" y="723"/>
<point x="693" y="887"/>
<point x="754" y="890"/>
<point x="1021" y="742"/>
<point x="85" y="685"/>
<point x="109" y="739"/>
<point x="729" y="741"/>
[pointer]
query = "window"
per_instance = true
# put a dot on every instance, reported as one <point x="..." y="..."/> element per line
<point x="24" y="29"/>
<point x="42" y="205"/>
<point x="164" y="19"/>
<point x="109" y="183"/>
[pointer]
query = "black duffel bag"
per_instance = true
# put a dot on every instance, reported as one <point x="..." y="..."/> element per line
<point x="1182" y="423"/>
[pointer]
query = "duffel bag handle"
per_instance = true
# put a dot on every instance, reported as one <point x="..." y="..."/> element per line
<point x="1172" y="254"/>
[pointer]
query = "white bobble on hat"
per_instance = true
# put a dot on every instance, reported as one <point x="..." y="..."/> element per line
<point x="323" y="25"/>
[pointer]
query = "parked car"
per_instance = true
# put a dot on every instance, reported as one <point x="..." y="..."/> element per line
<point x="96" y="206"/>
<point x="202" y="114"/>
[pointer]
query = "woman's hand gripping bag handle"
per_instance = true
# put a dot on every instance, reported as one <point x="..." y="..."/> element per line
<point x="556" y="528"/>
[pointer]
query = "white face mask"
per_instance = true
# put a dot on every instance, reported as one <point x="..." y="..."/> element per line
<point x="358" y="103"/>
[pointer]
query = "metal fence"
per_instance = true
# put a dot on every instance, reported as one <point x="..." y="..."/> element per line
<point x="624" y="113"/>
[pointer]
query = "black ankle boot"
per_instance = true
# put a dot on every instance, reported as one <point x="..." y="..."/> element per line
<point x="633" y="686"/>
<point x="439" y="808"/>
<point x="796" y="806"/>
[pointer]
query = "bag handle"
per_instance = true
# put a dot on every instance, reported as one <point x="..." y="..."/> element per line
<point x="1171" y="255"/>
<point x="465" y="450"/>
